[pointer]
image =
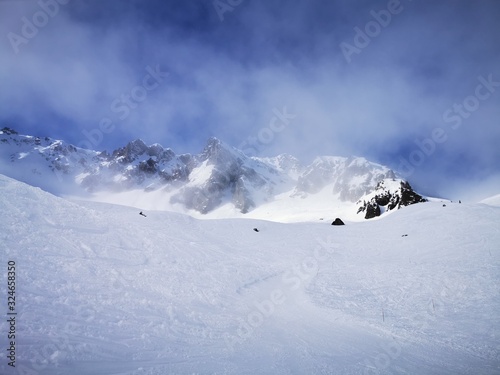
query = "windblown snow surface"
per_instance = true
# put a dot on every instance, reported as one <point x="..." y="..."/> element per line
<point x="103" y="290"/>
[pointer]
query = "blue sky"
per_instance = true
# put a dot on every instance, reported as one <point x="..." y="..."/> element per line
<point x="394" y="81"/>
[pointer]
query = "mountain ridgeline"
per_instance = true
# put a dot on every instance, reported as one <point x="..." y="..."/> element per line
<point x="219" y="176"/>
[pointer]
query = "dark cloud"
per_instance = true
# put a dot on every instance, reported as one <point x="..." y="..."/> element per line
<point x="228" y="78"/>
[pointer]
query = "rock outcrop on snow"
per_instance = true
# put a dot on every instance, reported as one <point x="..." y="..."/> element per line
<point x="388" y="195"/>
<point x="338" y="221"/>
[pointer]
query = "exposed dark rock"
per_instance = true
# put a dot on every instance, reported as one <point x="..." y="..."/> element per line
<point x="148" y="166"/>
<point x="9" y="131"/>
<point x="175" y="175"/>
<point x="390" y="200"/>
<point x="409" y="196"/>
<point x="130" y="152"/>
<point x="337" y="221"/>
<point x="372" y="210"/>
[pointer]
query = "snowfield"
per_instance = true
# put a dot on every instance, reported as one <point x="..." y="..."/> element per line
<point x="103" y="290"/>
<point x="492" y="201"/>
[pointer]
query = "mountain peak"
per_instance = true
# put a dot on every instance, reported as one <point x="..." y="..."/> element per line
<point x="137" y="145"/>
<point x="217" y="151"/>
<point x="215" y="144"/>
<point x="8" y="131"/>
<point x="212" y="146"/>
<point x="131" y="151"/>
<point x="213" y="141"/>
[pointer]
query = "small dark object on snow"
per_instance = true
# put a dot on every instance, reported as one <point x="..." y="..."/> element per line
<point x="255" y="229"/>
<point x="337" y="221"/>
<point x="404" y="235"/>
<point x="140" y="213"/>
<point x="444" y="205"/>
<point x="459" y="201"/>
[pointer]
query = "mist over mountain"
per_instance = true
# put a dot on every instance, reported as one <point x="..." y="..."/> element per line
<point x="220" y="181"/>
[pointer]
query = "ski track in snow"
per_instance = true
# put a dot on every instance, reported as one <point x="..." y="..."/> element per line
<point x="102" y="290"/>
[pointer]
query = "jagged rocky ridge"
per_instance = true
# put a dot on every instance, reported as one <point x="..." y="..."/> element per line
<point x="389" y="194"/>
<point x="220" y="174"/>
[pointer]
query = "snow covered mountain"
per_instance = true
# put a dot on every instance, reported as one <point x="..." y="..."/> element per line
<point x="221" y="181"/>
<point x="102" y="290"/>
<point x="389" y="194"/>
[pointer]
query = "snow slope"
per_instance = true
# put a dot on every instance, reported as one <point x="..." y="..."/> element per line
<point x="103" y="290"/>
<point x="492" y="201"/>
